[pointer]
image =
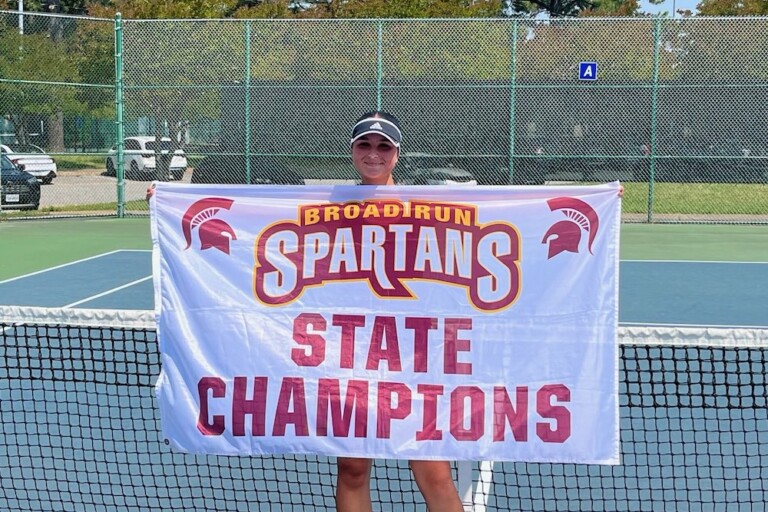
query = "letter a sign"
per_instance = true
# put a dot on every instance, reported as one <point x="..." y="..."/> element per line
<point x="587" y="70"/>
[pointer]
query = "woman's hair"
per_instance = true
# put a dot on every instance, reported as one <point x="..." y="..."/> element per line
<point x="382" y="115"/>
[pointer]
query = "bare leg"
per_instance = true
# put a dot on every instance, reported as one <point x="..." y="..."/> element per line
<point x="436" y="484"/>
<point x="353" y="485"/>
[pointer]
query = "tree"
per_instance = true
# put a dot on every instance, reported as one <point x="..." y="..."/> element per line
<point x="171" y="99"/>
<point x="373" y="9"/>
<point x="63" y="6"/>
<point x="733" y="7"/>
<point x="556" y="7"/>
<point x="606" y="8"/>
<point x="35" y="57"/>
<point x="175" y="9"/>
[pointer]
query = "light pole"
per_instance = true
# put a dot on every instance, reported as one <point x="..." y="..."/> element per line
<point x="21" y="17"/>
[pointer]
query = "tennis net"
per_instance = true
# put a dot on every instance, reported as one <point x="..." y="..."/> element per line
<point x="80" y="431"/>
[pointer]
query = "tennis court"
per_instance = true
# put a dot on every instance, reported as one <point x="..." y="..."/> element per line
<point x="669" y="292"/>
<point x="720" y="288"/>
<point x="85" y="431"/>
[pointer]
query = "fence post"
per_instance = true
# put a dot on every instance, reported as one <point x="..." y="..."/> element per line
<point x="379" y="63"/>
<point x="512" y="91"/>
<point x="119" y="99"/>
<point x="248" y="102"/>
<point x="654" y="114"/>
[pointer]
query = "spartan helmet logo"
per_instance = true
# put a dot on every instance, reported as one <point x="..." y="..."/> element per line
<point x="565" y="235"/>
<point x="212" y="232"/>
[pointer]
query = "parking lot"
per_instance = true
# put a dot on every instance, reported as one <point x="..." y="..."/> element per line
<point x="90" y="186"/>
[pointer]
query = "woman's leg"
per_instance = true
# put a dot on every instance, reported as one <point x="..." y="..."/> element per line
<point x="353" y="485"/>
<point x="436" y="484"/>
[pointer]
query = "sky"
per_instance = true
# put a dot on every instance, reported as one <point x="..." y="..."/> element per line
<point x="667" y="6"/>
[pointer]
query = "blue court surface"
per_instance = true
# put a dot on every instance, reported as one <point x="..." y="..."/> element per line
<point x="85" y="433"/>
<point x="674" y="293"/>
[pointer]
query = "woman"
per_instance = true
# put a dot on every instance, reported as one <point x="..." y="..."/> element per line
<point x="376" y="139"/>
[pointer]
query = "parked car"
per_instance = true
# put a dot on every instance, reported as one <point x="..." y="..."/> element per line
<point x="19" y="189"/>
<point x="139" y="158"/>
<point x="34" y="159"/>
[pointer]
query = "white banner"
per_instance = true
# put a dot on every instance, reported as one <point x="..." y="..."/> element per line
<point x="455" y="323"/>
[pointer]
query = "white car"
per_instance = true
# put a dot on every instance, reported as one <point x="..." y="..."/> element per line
<point x="139" y="158"/>
<point x="32" y="159"/>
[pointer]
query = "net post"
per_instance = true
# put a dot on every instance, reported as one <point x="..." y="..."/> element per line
<point x="475" y="498"/>
<point x="464" y="473"/>
<point x="119" y="104"/>
<point x="484" y="482"/>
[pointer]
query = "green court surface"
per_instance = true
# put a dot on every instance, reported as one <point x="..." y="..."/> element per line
<point x="29" y="246"/>
<point x="694" y="242"/>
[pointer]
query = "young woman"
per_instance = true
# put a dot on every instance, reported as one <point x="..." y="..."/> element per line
<point x="376" y="139"/>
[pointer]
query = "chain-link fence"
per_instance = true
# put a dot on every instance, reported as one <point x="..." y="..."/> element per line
<point x="675" y="109"/>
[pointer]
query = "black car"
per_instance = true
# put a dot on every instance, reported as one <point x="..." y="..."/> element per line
<point x="20" y="190"/>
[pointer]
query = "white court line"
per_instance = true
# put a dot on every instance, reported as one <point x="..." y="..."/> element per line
<point x="149" y="250"/>
<point x="73" y="263"/>
<point x="102" y="294"/>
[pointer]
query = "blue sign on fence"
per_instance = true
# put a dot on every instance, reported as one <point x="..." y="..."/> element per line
<point x="587" y="70"/>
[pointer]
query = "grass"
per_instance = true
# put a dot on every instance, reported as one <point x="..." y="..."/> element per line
<point x="669" y="198"/>
<point x="697" y="198"/>
<point x="138" y="205"/>
<point x="78" y="162"/>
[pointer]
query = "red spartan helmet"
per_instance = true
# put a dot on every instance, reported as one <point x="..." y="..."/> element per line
<point x="216" y="233"/>
<point x="566" y="234"/>
<point x="212" y="233"/>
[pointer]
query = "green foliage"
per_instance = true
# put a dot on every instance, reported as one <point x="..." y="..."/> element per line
<point x="346" y="51"/>
<point x="606" y="8"/>
<point x="416" y="9"/>
<point x="277" y="9"/>
<point x="717" y="51"/>
<point x="76" y="162"/>
<point x="733" y="7"/>
<point x="625" y="49"/>
<point x="163" y="9"/>
<point x="65" y="7"/>
<point x="560" y="7"/>
<point x="177" y="61"/>
<point x="35" y="57"/>
<point x="441" y="51"/>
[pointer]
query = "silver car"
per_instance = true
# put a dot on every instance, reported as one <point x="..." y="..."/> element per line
<point x="31" y="159"/>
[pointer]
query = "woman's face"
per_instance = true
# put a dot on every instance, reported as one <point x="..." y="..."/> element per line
<point x="374" y="157"/>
